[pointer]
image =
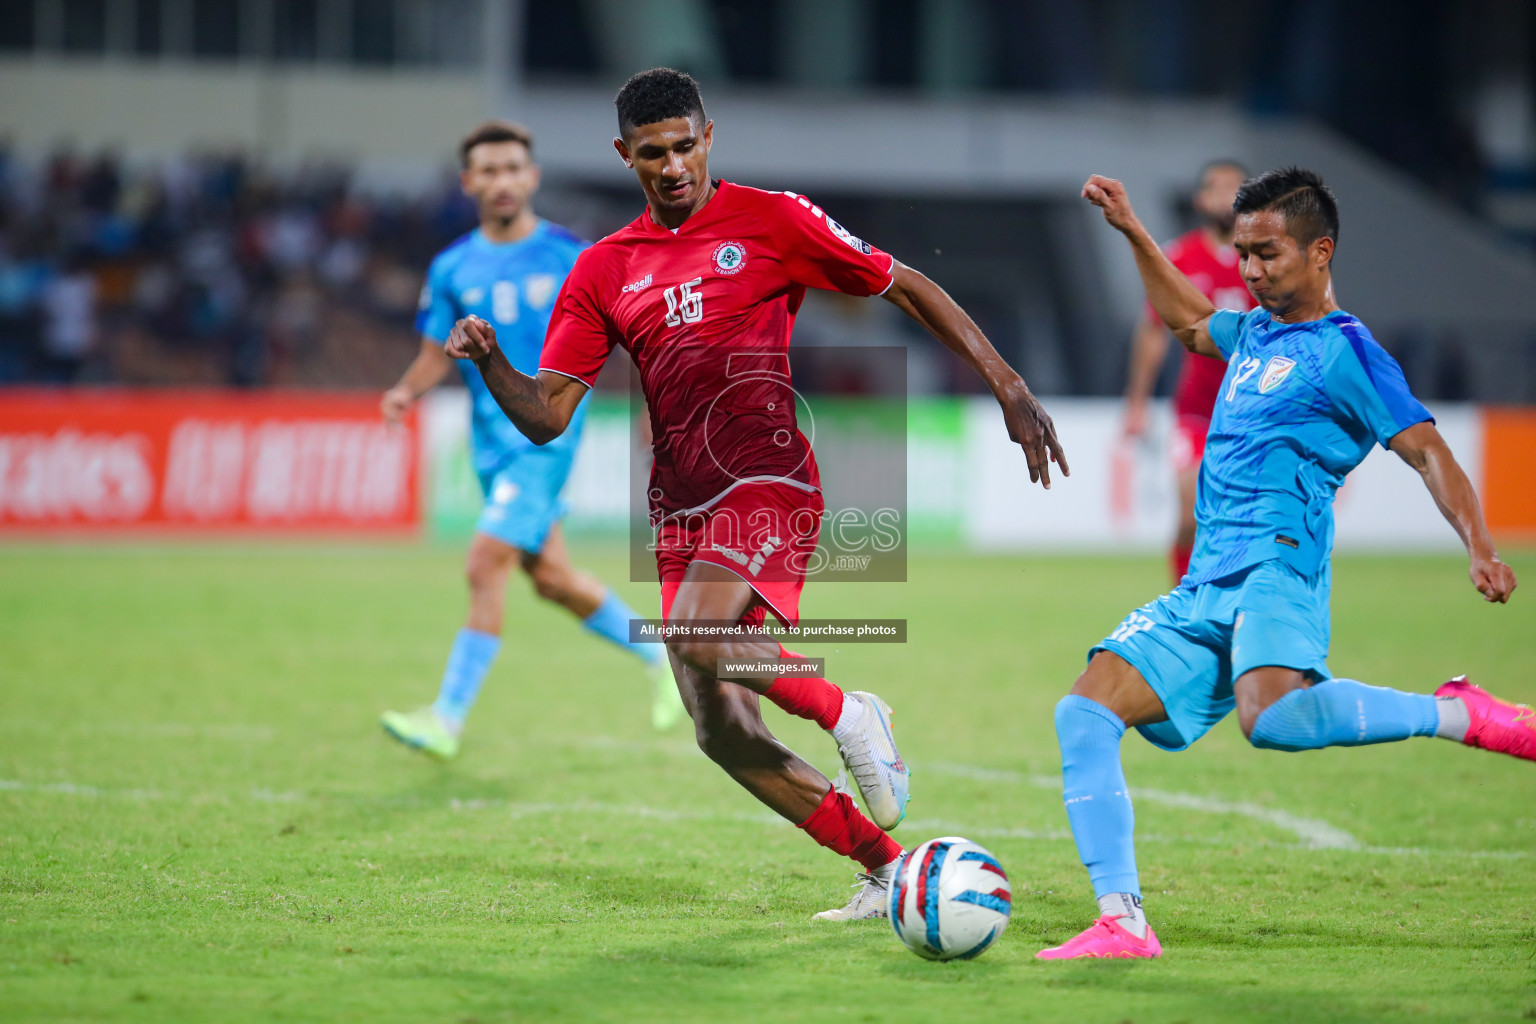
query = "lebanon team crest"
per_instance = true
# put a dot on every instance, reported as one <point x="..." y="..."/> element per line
<point x="730" y="257"/>
<point x="1275" y="372"/>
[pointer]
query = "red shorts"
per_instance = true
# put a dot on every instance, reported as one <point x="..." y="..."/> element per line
<point x="765" y="533"/>
<point x="1189" y="441"/>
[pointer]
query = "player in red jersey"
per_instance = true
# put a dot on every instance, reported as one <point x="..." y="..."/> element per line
<point x="1205" y="256"/>
<point x="702" y="290"/>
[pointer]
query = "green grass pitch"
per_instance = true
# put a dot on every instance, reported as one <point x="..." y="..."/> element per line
<point x="201" y="820"/>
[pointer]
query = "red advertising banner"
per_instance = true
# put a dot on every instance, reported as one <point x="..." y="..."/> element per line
<point x="158" y="461"/>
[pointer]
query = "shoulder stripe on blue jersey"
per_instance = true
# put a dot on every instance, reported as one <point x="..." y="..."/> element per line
<point x="1353" y="331"/>
<point x="566" y="234"/>
<point x="458" y="243"/>
<point x="1404" y="408"/>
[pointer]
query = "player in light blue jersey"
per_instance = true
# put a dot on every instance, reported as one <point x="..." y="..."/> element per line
<point x="507" y="271"/>
<point x="1307" y="393"/>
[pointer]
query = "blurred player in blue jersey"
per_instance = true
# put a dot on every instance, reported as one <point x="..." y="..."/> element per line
<point x="508" y="271"/>
<point x="1307" y="393"/>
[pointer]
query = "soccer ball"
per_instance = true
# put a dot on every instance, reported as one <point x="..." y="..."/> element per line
<point x="950" y="899"/>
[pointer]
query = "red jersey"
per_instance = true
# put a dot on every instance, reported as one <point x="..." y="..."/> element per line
<point x="706" y="312"/>
<point x="1216" y="273"/>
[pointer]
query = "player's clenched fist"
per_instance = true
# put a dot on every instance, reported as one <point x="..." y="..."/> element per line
<point x="1109" y="195"/>
<point x="471" y="338"/>
<point x="1493" y="579"/>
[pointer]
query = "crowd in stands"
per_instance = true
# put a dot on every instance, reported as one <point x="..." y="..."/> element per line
<point x="209" y="271"/>
<point x="212" y="271"/>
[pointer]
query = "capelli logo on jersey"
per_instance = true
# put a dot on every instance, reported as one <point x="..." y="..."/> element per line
<point x="643" y="283"/>
<point x="731" y="553"/>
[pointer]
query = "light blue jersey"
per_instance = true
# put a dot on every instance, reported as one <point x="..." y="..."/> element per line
<point x="512" y="285"/>
<point x="1300" y="406"/>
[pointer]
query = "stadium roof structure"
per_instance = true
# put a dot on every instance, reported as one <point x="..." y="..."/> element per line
<point x="1430" y="264"/>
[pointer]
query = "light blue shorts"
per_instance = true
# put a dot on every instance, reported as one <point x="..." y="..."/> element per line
<point x="1190" y="645"/>
<point x="522" y="496"/>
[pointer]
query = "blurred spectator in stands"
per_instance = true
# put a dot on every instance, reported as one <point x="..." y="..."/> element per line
<point x="69" y="318"/>
<point x="208" y="270"/>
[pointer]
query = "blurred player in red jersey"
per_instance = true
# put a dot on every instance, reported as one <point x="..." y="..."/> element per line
<point x="1205" y="256"/>
<point x="702" y="290"/>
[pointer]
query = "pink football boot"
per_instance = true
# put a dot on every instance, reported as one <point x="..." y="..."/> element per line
<point x="1107" y="940"/>
<point x="1496" y="724"/>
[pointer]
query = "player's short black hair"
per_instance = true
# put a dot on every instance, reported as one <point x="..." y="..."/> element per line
<point x="659" y="94"/>
<point x="494" y="131"/>
<point x="1299" y="195"/>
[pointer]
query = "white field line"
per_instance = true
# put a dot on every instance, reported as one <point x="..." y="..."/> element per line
<point x="149" y="730"/>
<point x="1313" y="834"/>
<point x="596" y="809"/>
<point x="610" y="811"/>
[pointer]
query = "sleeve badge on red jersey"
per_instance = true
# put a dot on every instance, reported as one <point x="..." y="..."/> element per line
<point x="730" y="257"/>
<point x="849" y="237"/>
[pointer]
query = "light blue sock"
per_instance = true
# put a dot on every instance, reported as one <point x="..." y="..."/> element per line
<point x="1093" y="786"/>
<point x="1344" y="713"/>
<point x="611" y="621"/>
<point x="468" y="662"/>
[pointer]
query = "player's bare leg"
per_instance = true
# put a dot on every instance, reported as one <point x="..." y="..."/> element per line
<point x="860" y="722"/>
<point x="728" y="723"/>
<point x="1107" y="698"/>
<point x="558" y="581"/>
<point x="487" y="566"/>
<point x="489" y="562"/>
<point x="730" y="729"/>
<point x="435" y="728"/>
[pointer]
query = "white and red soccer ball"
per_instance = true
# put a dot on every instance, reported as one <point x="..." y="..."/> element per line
<point x="949" y="900"/>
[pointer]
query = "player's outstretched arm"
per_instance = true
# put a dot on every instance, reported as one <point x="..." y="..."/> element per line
<point x="1028" y="424"/>
<point x="1149" y="347"/>
<point x="541" y="407"/>
<point x="426" y="372"/>
<point x="1422" y="447"/>
<point x="1177" y="301"/>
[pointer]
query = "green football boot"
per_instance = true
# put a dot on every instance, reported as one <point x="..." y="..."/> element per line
<point x="422" y="729"/>
<point x="666" y="703"/>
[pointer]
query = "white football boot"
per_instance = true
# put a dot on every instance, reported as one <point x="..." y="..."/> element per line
<point x="870" y="899"/>
<point x="870" y="755"/>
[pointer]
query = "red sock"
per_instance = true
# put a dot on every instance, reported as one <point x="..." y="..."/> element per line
<point x="1180" y="559"/>
<point x="837" y="824"/>
<point x="816" y="699"/>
